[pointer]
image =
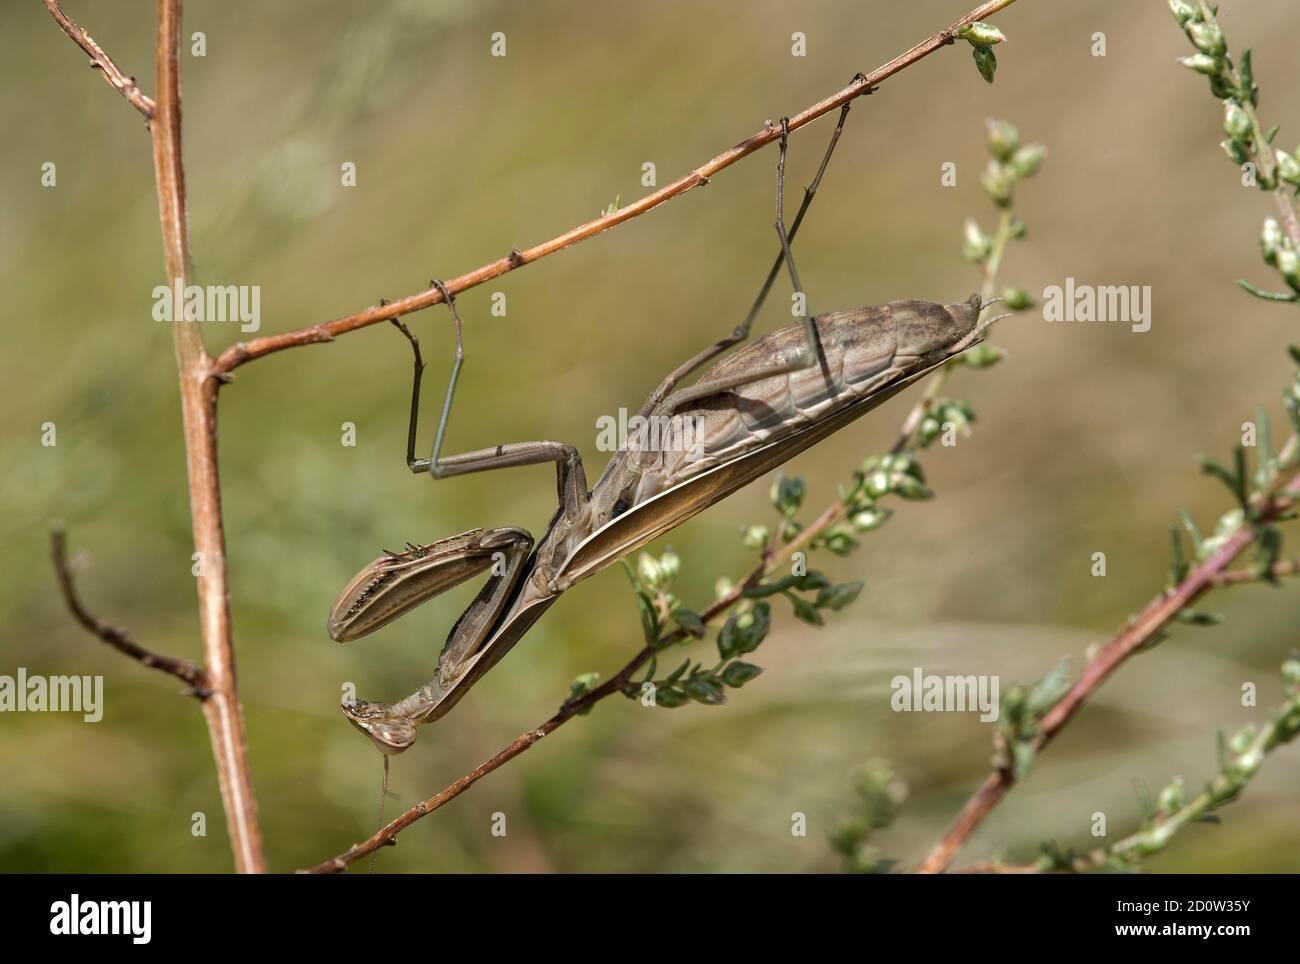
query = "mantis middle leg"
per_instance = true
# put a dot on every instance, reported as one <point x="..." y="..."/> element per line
<point x="656" y="401"/>
<point x="571" y="479"/>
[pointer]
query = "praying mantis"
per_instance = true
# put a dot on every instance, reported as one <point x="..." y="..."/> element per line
<point x="758" y="408"/>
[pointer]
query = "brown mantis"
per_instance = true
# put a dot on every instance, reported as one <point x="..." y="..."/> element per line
<point x="757" y="408"/>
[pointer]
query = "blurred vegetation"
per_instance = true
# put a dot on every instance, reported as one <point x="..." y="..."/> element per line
<point x="1086" y="437"/>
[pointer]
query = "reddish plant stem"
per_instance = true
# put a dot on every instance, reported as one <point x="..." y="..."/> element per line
<point x="1159" y="612"/>
<point x="198" y="389"/>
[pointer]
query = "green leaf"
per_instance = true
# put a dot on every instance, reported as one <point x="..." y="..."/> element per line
<point x="986" y="61"/>
<point x="649" y="618"/>
<point x="1267" y="295"/>
<point x="1044" y="693"/>
<point x="1211" y="467"/>
<point x="704" y="690"/>
<point x="676" y="674"/>
<point x="1267" y="553"/>
<point x="737" y="674"/>
<point x="787" y="495"/>
<point x="1022" y="758"/>
<point x="1178" y="569"/>
<point x="1194" y="618"/>
<point x="805" y="611"/>
<point x="837" y="597"/>
<point x="689" y="620"/>
<point x="583" y="685"/>
<point x="670" y="697"/>
<point x="735" y="639"/>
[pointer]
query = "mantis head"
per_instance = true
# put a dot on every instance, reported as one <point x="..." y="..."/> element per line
<point x="390" y="732"/>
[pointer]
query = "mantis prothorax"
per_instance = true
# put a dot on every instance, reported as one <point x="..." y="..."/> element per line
<point x="758" y="408"/>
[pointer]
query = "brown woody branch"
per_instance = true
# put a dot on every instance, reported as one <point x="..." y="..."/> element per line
<point x="199" y="387"/>
<point x="1140" y="631"/>
<point x="119" y="639"/>
<point x="103" y="62"/>
<point x="242" y="352"/>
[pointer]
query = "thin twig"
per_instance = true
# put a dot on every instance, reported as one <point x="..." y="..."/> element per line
<point x="199" y="418"/>
<point x="242" y="352"/>
<point x="119" y="639"/>
<point x="1158" y="613"/>
<point x="103" y="62"/>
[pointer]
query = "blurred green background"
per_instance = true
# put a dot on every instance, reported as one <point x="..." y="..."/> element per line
<point x="1086" y="439"/>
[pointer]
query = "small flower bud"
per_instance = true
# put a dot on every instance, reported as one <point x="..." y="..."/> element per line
<point x="976" y="244"/>
<point x="670" y="564"/>
<point x="787" y="495"/>
<point x="1288" y="263"/>
<point x="1183" y="11"/>
<point x="1236" y="122"/>
<point x="1288" y="168"/>
<point x="649" y="570"/>
<point x="998" y="182"/>
<point x="1172" y="797"/>
<point x="909" y="487"/>
<point x="1236" y="151"/>
<point x="984" y="355"/>
<point x="1207" y="37"/>
<point x="1202" y="64"/>
<point x="876" y="484"/>
<point x="981" y="33"/>
<point x="1270" y="241"/>
<point x="1027" y="160"/>
<point x="1003" y="139"/>
<point x="870" y="519"/>
<point x="1017" y="299"/>
<point x="1291" y="671"/>
<point x="1242" y="739"/>
<point x="756" y="537"/>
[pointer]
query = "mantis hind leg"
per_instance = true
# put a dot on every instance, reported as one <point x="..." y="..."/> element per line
<point x="663" y="398"/>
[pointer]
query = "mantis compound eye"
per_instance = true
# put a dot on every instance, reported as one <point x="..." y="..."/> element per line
<point x="390" y="734"/>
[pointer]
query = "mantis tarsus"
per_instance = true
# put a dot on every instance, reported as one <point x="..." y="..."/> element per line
<point x="759" y="407"/>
